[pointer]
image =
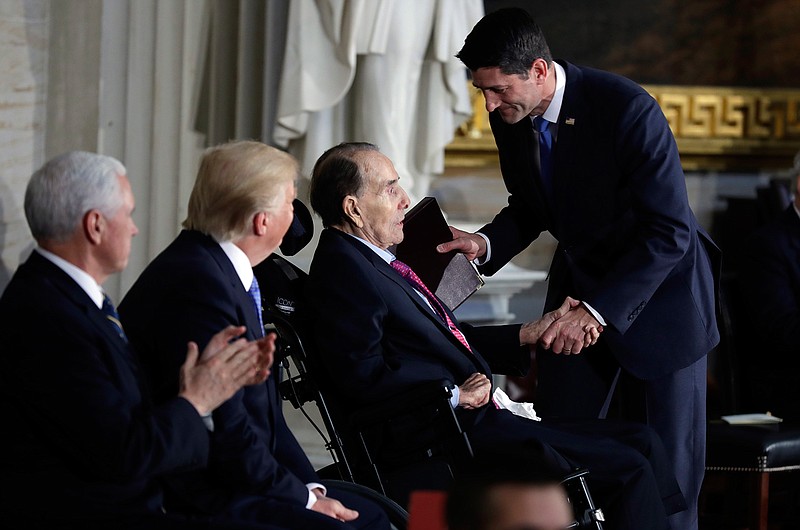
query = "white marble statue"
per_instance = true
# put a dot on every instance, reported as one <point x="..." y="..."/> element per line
<point x="381" y="71"/>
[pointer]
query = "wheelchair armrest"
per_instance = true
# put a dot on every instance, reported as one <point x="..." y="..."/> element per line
<point x="413" y="436"/>
<point x="433" y="393"/>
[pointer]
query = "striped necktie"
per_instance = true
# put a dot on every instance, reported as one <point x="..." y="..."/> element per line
<point x="411" y="277"/>
<point x="255" y="296"/>
<point x="112" y="316"/>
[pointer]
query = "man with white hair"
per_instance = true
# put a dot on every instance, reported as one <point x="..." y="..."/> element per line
<point x="84" y="446"/>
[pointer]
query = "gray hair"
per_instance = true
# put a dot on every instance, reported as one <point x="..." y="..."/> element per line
<point x="66" y="187"/>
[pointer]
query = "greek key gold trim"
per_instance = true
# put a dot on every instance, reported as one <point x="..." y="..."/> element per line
<point x="716" y="128"/>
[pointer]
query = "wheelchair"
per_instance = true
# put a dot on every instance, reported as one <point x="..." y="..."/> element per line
<point x="409" y="443"/>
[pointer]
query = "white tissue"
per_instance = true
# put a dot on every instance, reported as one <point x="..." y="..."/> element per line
<point x="525" y="410"/>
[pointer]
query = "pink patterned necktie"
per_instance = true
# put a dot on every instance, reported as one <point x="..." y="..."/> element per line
<point x="411" y="277"/>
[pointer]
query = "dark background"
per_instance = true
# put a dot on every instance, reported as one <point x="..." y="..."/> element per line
<point x="754" y="43"/>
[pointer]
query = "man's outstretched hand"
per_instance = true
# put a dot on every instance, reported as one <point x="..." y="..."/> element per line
<point x="471" y="245"/>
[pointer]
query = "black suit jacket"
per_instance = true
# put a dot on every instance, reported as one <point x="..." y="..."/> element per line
<point x="189" y="292"/>
<point x="82" y="440"/>
<point x="628" y="243"/>
<point x="376" y="336"/>
<point x="387" y="339"/>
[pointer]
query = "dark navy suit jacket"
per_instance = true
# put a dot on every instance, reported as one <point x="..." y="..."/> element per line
<point x="406" y="343"/>
<point x="82" y="439"/>
<point x="628" y="243"/>
<point x="189" y="292"/>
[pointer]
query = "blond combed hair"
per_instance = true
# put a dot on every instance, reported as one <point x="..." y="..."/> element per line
<point x="235" y="181"/>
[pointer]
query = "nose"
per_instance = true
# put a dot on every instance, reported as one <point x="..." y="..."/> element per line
<point x="134" y="229"/>
<point x="492" y="101"/>
<point x="405" y="202"/>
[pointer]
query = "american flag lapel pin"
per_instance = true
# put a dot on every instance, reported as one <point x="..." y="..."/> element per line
<point x="569" y="121"/>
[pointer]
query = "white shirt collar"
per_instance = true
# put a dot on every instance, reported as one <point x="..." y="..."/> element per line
<point x="554" y="108"/>
<point x="240" y="261"/>
<point x="387" y="256"/>
<point x="80" y="276"/>
<point x="796" y="209"/>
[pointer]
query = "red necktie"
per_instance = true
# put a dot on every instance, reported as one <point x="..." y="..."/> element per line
<point x="411" y="277"/>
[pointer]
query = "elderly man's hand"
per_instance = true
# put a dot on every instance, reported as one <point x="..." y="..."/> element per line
<point x="475" y="391"/>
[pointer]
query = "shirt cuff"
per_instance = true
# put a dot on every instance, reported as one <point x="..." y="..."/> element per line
<point x="454" y="397"/>
<point x="312" y="497"/>
<point x="486" y="257"/>
<point x="595" y="314"/>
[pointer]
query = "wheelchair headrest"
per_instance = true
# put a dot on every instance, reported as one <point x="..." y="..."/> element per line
<point x="300" y="232"/>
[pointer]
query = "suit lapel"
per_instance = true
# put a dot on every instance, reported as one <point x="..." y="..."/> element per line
<point x="245" y="305"/>
<point x="393" y="276"/>
<point x="570" y="122"/>
<point x="386" y="270"/>
<point x="521" y="173"/>
<point x="85" y="306"/>
<point x="247" y="316"/>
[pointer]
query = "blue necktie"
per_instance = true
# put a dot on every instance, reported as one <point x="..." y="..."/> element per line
<point x="113" y="317"/>
<point x="545" y="154"/>
<point x="255" y="296"/>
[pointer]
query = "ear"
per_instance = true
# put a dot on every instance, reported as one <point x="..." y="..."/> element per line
<point x="539" y="71"/>
<point x="261" y="222"/>
<point x="351" y="210"/>
<point x="94" y="225"/>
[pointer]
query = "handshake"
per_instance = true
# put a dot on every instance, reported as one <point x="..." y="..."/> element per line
<point x="567" y="330"/>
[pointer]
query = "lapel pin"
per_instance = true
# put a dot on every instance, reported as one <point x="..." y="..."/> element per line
<point x="569" y="121"/>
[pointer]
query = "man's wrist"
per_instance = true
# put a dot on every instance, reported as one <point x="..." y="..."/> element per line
<point x="455" y="397"/>
<point x="481" y="260"/>
<point x="597" y="316"/>
<point x="312" y="493"/>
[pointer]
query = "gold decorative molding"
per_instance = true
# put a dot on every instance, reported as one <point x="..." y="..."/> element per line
<point x="716" y="128"/>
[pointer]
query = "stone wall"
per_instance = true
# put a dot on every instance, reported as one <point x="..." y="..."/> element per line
<point x="23" y="63"/>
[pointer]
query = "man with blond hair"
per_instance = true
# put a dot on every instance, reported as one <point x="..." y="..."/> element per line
<point x="239" y="210"/>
